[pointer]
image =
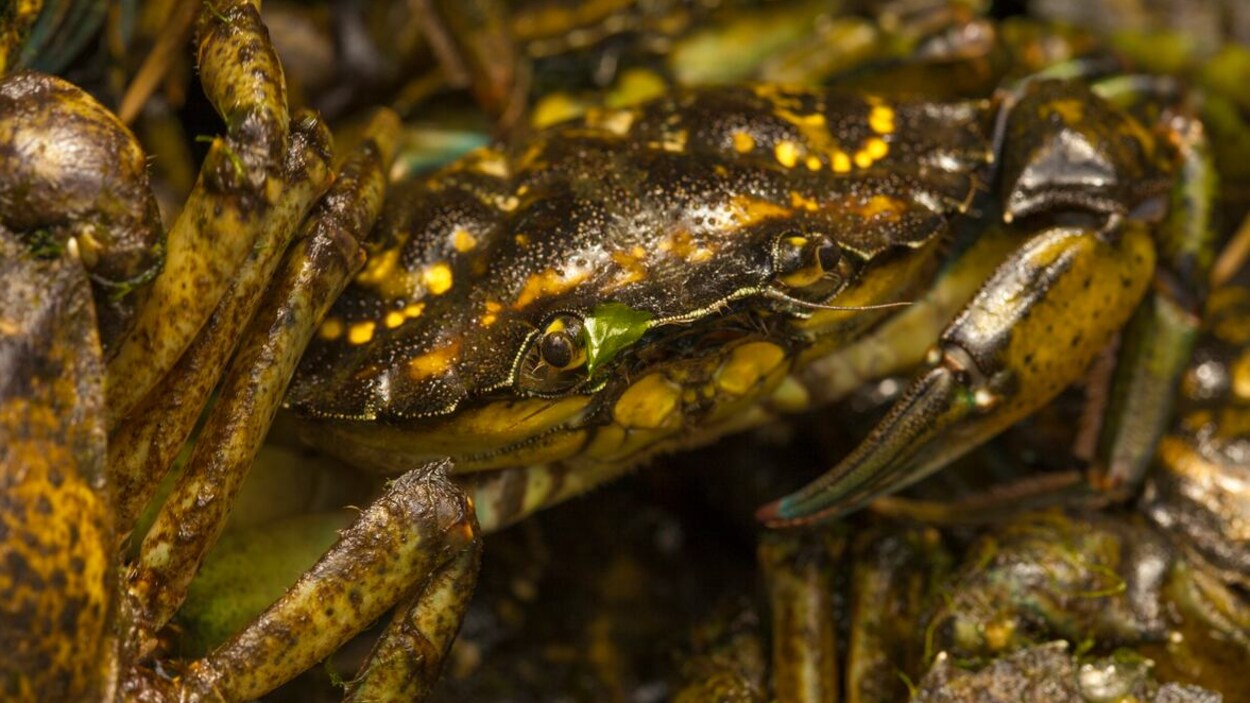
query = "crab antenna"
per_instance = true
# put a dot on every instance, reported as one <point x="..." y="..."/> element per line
<point x="778" y="295"/>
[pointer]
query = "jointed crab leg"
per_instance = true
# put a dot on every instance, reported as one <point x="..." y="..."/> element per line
<point x="418" y="540"/>
<point x="405" y="664"/>
<point x="799" y="569"/>
<point x="309" y="279"/>
<point x="240" y="183"/>
<point x="1158" y="342"/>
<point x="143" y="448"/>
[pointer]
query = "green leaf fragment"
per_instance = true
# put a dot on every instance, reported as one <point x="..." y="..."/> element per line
<point x="610" y="328"/>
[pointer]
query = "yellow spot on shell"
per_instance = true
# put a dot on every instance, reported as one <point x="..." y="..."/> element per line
<point x="877" y="148"/>
<point x="787" y="153"/>
<point x="414" y="310"/>
<point x="743" y="142"/>
<point x="463" y="241"/>
<point x="881" y="119"/>
<point x="813" y="163"/>
<point x="437" y="278"/>
<point x="378" y="268"/>
<point x="491" y="314"/>
<point x="632" y="268"/>
<point x="841" y="162"/>
<point x="879" y="205"/>
<point x="863" y="159"/>
<point x="331" y="329"/>
<point x="432" y="363"/>
<point x="394" y="319"/>
<point x="548" y="282"/>
<point x="675" y="142"/>
<point x="361" y="332"/>
<point x="747" y="210"/>
<point x="798" y="200"/>
<point x="681" y="243"/>
<point x="812" y="119"/>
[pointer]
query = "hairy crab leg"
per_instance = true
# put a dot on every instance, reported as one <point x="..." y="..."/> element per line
<point x="240" y="183"/>
<point x="310" y="278"/>
<point x="56" y="569"/>
<point x="419" y="540"/>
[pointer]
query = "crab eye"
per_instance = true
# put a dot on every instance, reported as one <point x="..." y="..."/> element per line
<point x="827" y="254"/>
<point x="801" y="261"/>
<point x="557" y="349"/>
<point x="554" y="361"/>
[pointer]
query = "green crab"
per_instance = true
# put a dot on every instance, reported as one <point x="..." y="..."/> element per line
<point x="537" y="318"/>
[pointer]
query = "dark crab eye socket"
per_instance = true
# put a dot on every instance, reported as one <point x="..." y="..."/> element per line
<point x="555" y="360"/>
<point x="802" y="260"/>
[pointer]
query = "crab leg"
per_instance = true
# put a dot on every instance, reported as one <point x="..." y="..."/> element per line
<point x="799" y="570"/>
<point x="418" y="541"/>
<point x="1001" y="359"/>
<point x="76" y="211"/>
<point x="312" y="275"/>
<point x="143" y="448"/>
<point x="56" y="570"/>
<point x="408" y="657"/>
<point x="240" y="184"/>
<point x="1158" y="341"/>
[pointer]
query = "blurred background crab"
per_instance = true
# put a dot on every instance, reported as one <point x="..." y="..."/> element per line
<point x="94" y="415"/>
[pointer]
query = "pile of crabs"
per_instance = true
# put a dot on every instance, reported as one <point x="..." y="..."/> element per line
<point x="289" y="325"/>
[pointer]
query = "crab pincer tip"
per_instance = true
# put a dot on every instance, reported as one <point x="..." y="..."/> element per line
<point x="783" y="513"/>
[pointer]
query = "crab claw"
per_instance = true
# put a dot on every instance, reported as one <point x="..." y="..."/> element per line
<point x="900" y="450"/>
<point x="1030" y="332"/>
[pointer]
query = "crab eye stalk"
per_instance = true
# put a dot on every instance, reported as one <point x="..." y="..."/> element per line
<point x="555" y="361"/>
<point x="802" y="261"/>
